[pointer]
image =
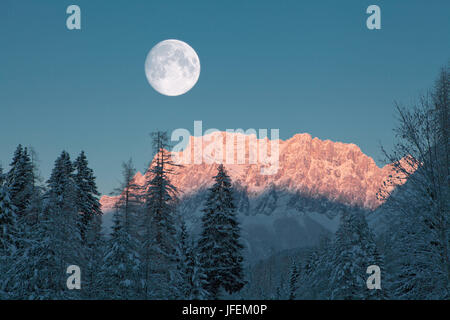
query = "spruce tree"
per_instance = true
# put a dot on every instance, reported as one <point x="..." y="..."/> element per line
<point x="121" y="264"/>
<point x="32" y="262"/>
<point x="93" y="248"/>
<point x="198" y="277"/>
<point x="184" y="264"/>
<point x="7" y="220"/>
<point x="193" y="276"/>
<point x="60" y="226"/>
<point x="8" y="241"/>
<point x="34" y="206"/>
<point x="88" y="206"/>
<point x="354" y="250"/>
<point x="322" y="266"/>
<point x="161" y="274"/>
<point x="87" y="194"/>
<point x="20" y="180"/>
<point x="29" y="256"/>
<point x="219" y="245"/>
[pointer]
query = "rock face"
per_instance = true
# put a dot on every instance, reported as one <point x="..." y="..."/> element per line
<point x="292" y="206"/>
<point x="336" y="171"/>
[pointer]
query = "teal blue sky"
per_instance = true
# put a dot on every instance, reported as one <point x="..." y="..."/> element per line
<point x="300" y="66"/>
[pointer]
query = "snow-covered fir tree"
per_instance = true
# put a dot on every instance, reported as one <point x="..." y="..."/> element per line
<point x="51" y="241"/>
<point x="60" y="227"/>
<point x="354" y="250"/>
<point x="219" y="244"/>
<point x="8" y="241"/>
<point x="197" y="281"/>
<point x="88" y="206"/>
<point x="93" y="249"/>
<point x="87" y="200"/>
<point x="28" y="255"/>
<point x="193" y="277"/>
<point x="160" y="254"/>
<point x="313" y="280"/>
<point x="185" y="251"/>
<point x="31" y="263"/>
<point x="320" y="284"/>
<point x="20" y="180"/>
<point x="34" y="206"/>
<point x="121" y="264"/>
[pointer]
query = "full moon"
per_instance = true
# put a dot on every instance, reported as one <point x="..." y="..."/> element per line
<point x="172" y="67"/>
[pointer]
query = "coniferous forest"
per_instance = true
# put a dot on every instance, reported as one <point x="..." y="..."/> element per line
<point x="48" y="227"/>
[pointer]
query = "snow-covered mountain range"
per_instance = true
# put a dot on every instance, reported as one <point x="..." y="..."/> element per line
<point x="288" y="209"/>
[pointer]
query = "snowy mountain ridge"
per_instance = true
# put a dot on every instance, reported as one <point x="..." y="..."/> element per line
<point x="337" y="171"/>
<point x="315" y="181"/>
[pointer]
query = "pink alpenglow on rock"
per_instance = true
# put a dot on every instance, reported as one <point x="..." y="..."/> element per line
<point x="337" y="171"/>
